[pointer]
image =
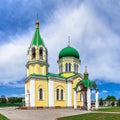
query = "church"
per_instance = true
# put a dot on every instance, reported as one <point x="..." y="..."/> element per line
<point x="67" y="88"/>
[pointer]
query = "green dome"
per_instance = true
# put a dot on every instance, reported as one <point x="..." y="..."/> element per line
<point x="69" y="52"/>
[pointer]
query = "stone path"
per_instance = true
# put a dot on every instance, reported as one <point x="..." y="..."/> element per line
<point x="41" y="114"/>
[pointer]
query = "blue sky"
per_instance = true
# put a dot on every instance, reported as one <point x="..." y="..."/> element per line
<point x="94" y="29"/>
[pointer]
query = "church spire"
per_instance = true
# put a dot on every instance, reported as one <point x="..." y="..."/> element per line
<point x="37" y="38"/>
<point x="37" y="54"/>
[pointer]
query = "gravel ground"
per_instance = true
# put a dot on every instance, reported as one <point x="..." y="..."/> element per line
<point x="41" y="114"/>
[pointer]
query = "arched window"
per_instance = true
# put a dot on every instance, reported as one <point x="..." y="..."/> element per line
<point x="33" y="53"/>
<point x="69" y="67"/>
<point x="62" y="94"/>
<point x="75" y="67"/>
<point x="41" y="53"/>
<point x="57" y="94"/>
<point x="66" y="67"/>
<point x="40" y="94"/>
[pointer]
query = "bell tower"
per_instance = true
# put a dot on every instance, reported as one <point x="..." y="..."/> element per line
<point x="37" y="55"/>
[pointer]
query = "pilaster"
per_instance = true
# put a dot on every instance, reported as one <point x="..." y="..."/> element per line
<point x="32" y="93"/>
<point x="69" y="94"/>
<point x="51" y="93"/>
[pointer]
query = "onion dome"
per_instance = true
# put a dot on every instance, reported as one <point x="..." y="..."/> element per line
<point x="69" y="52"/>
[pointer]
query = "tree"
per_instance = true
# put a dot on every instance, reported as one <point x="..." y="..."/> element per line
<point x="3" y="99"/>
<point x="101" y="102"/>
<point x="112" y="98"/>
<point x="113" y="103"/>
<point x="118" y="103"/>
<point x="15" y="100"/>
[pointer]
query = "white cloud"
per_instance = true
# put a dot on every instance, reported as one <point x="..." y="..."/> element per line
<point x="97" y="43"/>
<point x="104" y="91"/>
<point x="13" y="59"/>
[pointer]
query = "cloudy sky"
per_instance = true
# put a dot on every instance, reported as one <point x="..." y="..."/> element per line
<point x="93" y="27"/>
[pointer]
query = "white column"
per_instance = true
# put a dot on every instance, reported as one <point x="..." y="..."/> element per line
<point x="88" y="98"/>
<point x="32" y="93"/>
<point x="51" y="93"/>
<point x="75" y="99"/>
<point x="96" y="99"/>
<point x="69" y="94"/>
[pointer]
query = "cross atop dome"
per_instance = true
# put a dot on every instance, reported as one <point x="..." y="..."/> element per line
<point x="68" y="41"/>
<point x="37" y="23"/>
<point x="85" y="68"/>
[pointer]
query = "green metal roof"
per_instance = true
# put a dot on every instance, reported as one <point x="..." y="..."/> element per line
<point x="37" y="39"/>
<point x="38" y="75"/>
<point x="86" y="82"/>
<point x="55" y="75"/>
<point x="69" y="52"/>
<point x="48" y="75"/>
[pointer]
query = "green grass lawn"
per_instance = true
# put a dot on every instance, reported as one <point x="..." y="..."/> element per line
<point x="3" y="117"/>
<point x="110" y="109"/>
<point x="93" y="116"/>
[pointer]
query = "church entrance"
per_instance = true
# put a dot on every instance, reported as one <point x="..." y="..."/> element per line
<point x="86" y="93"/>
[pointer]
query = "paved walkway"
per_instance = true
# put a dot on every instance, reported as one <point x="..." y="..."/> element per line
<point x="41" y="114"/>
